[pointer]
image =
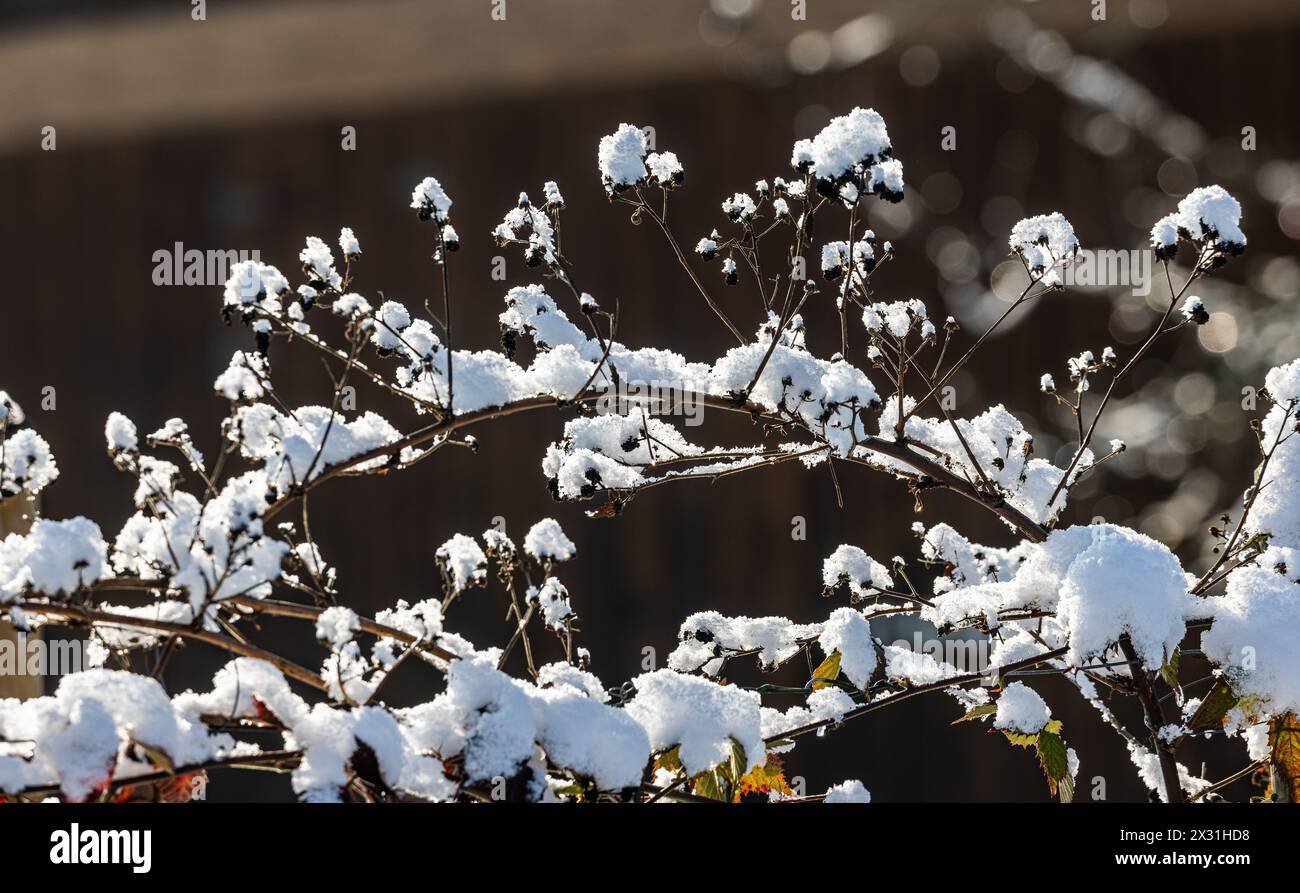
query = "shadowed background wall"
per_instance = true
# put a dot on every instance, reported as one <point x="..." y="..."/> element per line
<point x="225" y="134"/>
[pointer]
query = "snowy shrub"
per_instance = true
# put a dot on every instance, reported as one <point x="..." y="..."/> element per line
<point x="210" y="547"/>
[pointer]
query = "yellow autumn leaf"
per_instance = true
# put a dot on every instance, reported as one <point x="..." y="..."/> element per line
<point x="1284" y="743"/>
<point x="764" y="779"/>
<point x="827" y="672"/>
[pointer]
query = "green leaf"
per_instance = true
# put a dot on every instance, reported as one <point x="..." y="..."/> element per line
<point x="977" y="712"/>
<point x="827" y="672"/>
<point x="1169" y="672"/>
<point x="1056" y="764"/>
<point x="736" y="765"/>
<point x="1216" y="704"/>
<point x="723" y="780"/>
<point x="670" y="759"/>
<point x="706" y="785"/>
<point x="1053" y="756"/>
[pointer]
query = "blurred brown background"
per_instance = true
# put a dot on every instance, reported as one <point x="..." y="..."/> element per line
<point x="225" y="134"/>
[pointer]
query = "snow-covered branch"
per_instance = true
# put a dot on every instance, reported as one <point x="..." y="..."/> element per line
<point x="207" y="549"/>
